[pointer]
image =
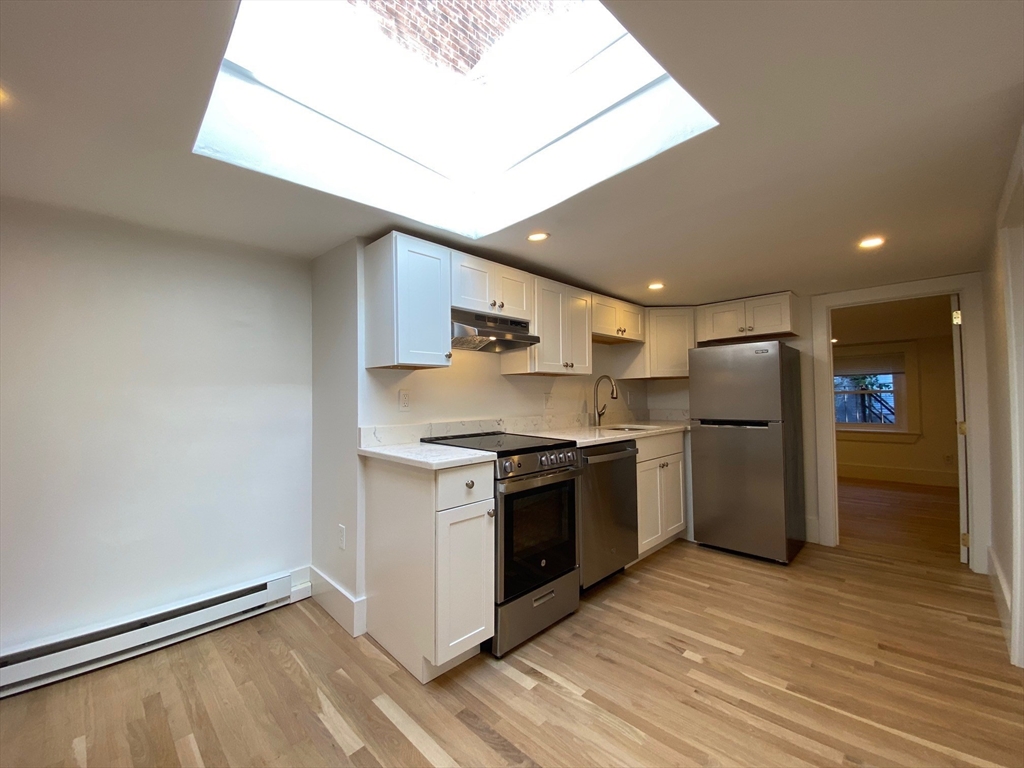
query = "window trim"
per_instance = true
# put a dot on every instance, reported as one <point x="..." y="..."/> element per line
<point x="907" y="387"/>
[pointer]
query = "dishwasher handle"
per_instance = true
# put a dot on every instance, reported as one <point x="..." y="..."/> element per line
<point x="602" y="458"/>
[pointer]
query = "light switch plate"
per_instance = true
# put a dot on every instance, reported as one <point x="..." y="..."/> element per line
<point x="404" y="400"/>
<point x="341" y="536"/>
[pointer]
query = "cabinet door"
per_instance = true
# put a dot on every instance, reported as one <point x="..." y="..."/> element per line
<point x="552" y="353"/>
<point x="631" y="319"/>
<point x="673" y="518"/>
<point x="769" y="314"/>
<point x="464" y="579"/>
<point x="471" y="283"/>
<point x="724" y="321"/>
<point x="423" y="299"/>
<point x="514" y="292"/>
<point x="670" y="336"/>
<point x="578" y="332"/>
<point x="648" y="503"/>
<point x="605" y="316"/>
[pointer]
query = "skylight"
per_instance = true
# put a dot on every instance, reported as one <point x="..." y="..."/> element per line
<point x="467" y="115"/>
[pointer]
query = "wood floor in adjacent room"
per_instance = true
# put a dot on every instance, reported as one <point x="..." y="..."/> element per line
<point x="882" y="652"/>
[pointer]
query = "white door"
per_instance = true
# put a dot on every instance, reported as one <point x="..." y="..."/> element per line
<point x="552" y="352"/>
<point x="471" y="283"/>
<point x="577" y="332"/>
<point x="673" y="518"/>
<point x="724" y="321"/>
<point x="670" y="335"/>
<point x="648" y="502"/>
<point x="631" y="318"/>
<point x="514" y="292"/>
<point x="768" y="314"/>
<point x="464" y="579"/>
<point x="424" y="303"/>
<point x="605" y="316"/>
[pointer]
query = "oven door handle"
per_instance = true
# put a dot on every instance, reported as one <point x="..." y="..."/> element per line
<point x="601" y="458"/>
<point x="537" y="481"/>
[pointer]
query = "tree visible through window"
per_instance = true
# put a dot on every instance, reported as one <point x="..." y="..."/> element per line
<point x="866" y="399"/>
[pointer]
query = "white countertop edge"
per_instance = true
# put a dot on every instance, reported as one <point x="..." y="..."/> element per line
<point x="428" y="456"/>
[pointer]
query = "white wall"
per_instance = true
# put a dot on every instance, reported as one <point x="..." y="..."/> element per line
<point x="335" y="417"/>
<point x="1004" y="299"/>
<point x="155" y="409"/>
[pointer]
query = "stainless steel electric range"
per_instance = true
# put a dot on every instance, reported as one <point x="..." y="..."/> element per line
<point x="537" y="493"/>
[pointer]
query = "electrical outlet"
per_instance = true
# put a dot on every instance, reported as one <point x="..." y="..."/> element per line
<point x="341" y="536"/>
<point x="404" y="400"/>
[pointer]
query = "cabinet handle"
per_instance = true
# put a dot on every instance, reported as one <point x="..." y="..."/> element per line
<point x="470" y="484"/>
<point x="750" y="327"/>
<point x="740" y="329"/>
<point x="501" y="305"/>
<point x="447" y="355"/>
<point x="490" y="513"/>
<point x="572" y="365"/>
<point x="494" y="303"/>
<point x="565" y="365"/>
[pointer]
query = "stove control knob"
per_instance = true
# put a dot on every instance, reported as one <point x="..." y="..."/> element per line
<point x="508" y="465"/>
<point x="543" y="459"/>
<point x="561" y="456"/>
<point x="571" y="455"/>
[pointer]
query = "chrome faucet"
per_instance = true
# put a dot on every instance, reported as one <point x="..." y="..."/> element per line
<point x="598" y="413"/>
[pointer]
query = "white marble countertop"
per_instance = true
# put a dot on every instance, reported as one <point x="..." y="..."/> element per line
<point x="428" y="455"/>
<point x="587" y="436"/>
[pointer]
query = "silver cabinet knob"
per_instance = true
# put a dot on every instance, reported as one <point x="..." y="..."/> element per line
<point x="740" y="329"/>
<point x="494" y="303"/>
<point x="572" y="365"/>
<point x="447" y="355"/>
<point x="470" y="484"/>
<point x="501" y="305"/>
<point x="750" y="327"/>
<point x="490" y="513"/>
<point x="565" y="365"/>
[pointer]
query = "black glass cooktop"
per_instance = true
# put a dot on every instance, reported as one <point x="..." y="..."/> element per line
<point x="501" y="443"/>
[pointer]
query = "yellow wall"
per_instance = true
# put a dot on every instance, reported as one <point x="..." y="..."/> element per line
<point x="927" y="459"/>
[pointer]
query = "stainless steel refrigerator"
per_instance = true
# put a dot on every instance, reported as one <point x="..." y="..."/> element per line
<point x="746" y="445"/>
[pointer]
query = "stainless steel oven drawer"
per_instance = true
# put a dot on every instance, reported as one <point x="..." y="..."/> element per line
<point x="518" y="620"/>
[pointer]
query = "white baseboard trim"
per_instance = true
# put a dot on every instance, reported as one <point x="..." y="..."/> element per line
<point x="937" y="477"/>
<point x="1002" y="592"/>
<point x="345" y="609"/>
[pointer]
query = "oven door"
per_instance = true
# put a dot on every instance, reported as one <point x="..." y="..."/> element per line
<point x="536" y="531"/>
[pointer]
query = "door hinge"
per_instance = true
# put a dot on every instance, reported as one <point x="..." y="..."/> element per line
<point x="965" y="539"/>
<point x="961" y="427"/>
<point x="957" y="317"/>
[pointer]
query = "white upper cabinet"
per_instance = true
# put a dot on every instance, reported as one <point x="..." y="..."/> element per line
<point x="617" y="320"/>
<point x="665" y="355"/>
<point x="484" y="286"/>
<point x="760" y="316"/>
<point x="563" y="323"/>
<point x="407" y="303"/>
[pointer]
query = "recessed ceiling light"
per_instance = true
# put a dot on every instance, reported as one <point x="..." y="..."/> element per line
<point x="656" y="286"/>
<point x="536" y="237"/>
<point x="872" y="242"/>
<point x="835" y="340"/>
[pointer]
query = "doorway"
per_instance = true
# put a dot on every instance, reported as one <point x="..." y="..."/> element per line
<point x="898" y="400"/>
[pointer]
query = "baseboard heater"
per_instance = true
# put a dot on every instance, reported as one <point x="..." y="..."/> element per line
<point x="65" y="656"/>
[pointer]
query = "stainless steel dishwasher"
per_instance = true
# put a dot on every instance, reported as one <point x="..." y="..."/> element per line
<point x="608" y="524"/>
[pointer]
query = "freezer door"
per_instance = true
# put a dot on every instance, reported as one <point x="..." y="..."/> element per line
<point x="736" y="382"/>
<point x="739" y="494"/>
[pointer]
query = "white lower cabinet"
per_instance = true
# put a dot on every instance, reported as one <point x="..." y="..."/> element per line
<point x="661" y="507"/>
<point x="465" y="578"/>
<point x="429" y="571"/>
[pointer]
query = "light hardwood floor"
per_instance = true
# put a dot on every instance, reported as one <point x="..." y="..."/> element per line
<point x="880" y="652"/>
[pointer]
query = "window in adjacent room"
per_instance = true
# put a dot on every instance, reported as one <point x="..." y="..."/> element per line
<point x="870" y="390"/>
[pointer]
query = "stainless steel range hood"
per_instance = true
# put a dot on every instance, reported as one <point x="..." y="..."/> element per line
<point x="489" y="333"/>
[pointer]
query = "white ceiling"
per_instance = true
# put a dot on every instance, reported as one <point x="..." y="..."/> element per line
<point x="838" y="120"/>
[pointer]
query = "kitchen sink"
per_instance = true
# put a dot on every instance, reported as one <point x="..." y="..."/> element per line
<point x="629" y="428"/>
